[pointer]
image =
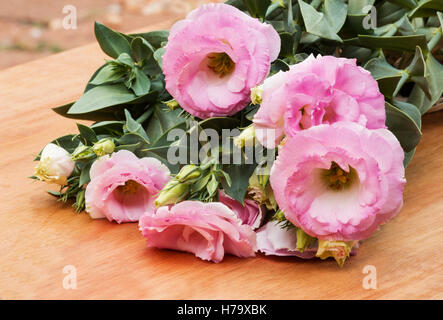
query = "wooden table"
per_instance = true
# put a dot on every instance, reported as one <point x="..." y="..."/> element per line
<point x="39" y="236"/>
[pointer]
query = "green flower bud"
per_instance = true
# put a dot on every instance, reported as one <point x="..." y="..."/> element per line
<point x="82" y="152"/>
<point x="103" y="147"/>
<point x="339" y="250"/>
<point x="256" y="94"/>
<point x="172" y="193"/>
<point x="188" y="173"/>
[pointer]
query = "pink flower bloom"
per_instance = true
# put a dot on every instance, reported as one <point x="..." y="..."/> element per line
<point x="273" y="240"/>
<point x="206" y="229"/>
<point x="215" y="56"/>
<point x="251" y="213"/>
<point x="339" y="181"/>
<point x="123" y="187"/>
<point x="315" y="91"/>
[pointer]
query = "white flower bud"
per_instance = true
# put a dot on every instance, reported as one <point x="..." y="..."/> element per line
<point x="246" y="138"/>
<point x="55" y="165"/>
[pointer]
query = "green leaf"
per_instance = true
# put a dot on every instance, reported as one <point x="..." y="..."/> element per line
<point x="87" y="134"/>
<point x="108" y="127"/>
<point x="389" y="12"/>
<point x="89" y="86"/>
<point x="112" y="43"/>
<point x="107" y="74"/>
<point x="401" y="123"/>
<point x="154" y="38"/>
<point x="397" y="43"/>
<point x="287" y="44"/>
<point x="426" y="8"/>
<point x="84" y="175"/>
<point x="410" y="4"/>
<point x="416" y="72"/>
<point x="132" y="126"/>
<point x="158" y="55"/>
<point x="141" y="84"/>
<point x="317" y="24"/>
<point x="408" y="157"/>
<point x="279" y="65"/>
<point x="239" y="174"/>
<point x="125" y="60"/>
<point x="411" y="110"/>
<point x="386" y="75"/>
<point x="161" y="122"/>
<point x="335" y="13"/>
<point x="141" y="49"/>
<point x="257" y="8"/>
<point x="162" y="119"/>
<point x="100" y="115"/>
<point x="105" y="96"/>
<point x="239" y="4"/>
<point x="434" y="79"/>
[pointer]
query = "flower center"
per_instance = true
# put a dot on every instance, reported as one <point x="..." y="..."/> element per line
<point x="338" y="179"/>
<point x="220" y="63"/>
<point x="130" y="187"/>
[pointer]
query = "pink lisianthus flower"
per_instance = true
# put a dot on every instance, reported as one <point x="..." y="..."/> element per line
<point x="339" y="181"/>
<point x="317" y="91"/>
<point x="123" y="187"/>
<point x="251" y="213"/>
<point x="209" y="230"/>
<point x="215" y="56"/>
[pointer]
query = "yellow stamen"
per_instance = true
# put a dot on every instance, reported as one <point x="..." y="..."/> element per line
<point x="337" y="178"/>
<point x="130" y="187"/>
<point x="220" y="63"/>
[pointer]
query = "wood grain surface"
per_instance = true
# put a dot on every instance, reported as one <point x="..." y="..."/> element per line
<point x="39" y="236"/>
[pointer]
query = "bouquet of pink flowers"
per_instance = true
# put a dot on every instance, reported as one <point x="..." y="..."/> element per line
<point x="252" y="126"/>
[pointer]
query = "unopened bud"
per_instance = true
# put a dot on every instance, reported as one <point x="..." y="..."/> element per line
<point x="172" y="193"/>
<point x="104" y="147"/>
<point x="256" y="94"/>
<point x="188" y="173"/>
<point x="55" y="165"/>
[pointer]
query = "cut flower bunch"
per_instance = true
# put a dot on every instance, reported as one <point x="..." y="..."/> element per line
<point x="280" y="127"/>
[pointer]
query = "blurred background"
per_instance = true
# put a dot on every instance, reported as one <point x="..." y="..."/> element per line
<point x="30" y="29"/>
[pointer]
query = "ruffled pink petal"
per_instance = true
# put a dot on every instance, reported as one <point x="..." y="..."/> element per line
<point x="209" y="230"/>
